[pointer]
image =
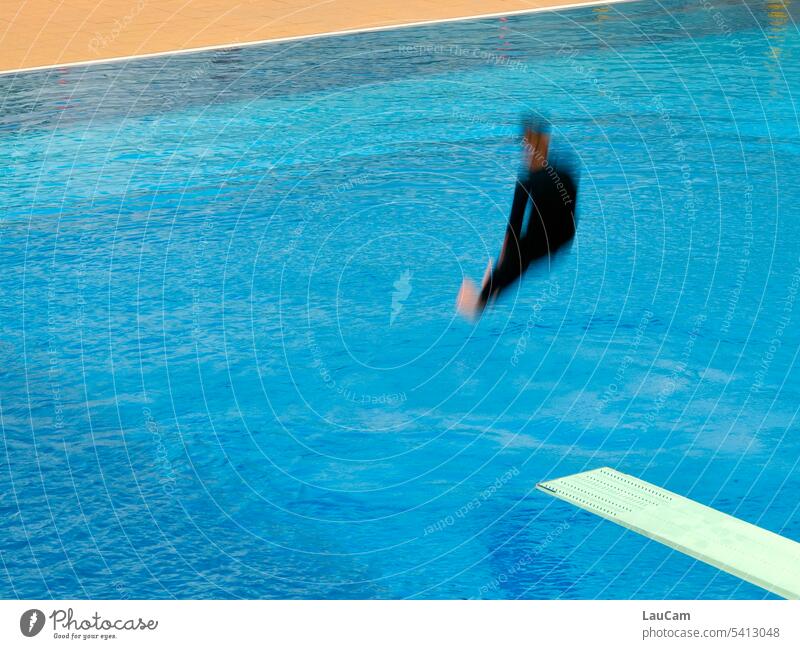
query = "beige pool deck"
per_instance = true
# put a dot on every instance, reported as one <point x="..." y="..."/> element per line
<point x="43" y="33"/>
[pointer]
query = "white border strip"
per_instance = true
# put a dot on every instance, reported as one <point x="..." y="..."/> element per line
<point x="285" y="39"/>
<point x="393" y="624"/>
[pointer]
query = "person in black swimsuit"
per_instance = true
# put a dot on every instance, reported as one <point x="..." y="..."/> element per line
<point x="551" y="193"/>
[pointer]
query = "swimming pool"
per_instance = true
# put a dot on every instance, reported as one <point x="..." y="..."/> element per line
<point x="230" y="361"/>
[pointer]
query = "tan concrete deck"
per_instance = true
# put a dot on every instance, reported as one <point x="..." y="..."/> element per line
<point x="36" y="33"/>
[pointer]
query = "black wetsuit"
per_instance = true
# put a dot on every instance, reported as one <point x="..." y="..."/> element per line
<point x="551" y="194"/>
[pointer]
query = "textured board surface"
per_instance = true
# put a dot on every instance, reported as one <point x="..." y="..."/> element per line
<point x="730" y="544"/>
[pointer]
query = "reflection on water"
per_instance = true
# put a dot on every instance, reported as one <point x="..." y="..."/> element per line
<point x="777" y="32"/>
<point x="601" y="13"/>
<point x="779" y="18"/>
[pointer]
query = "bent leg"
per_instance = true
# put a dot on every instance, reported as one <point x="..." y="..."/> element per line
<point x="504" y="274"/>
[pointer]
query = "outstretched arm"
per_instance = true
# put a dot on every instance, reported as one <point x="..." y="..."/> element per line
<point x="509" y="262"/>
<point x="472" y="301"/>
<point x="514" y="229"/>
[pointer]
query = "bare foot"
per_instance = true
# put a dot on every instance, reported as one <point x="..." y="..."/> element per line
<point x="467" y="300"/>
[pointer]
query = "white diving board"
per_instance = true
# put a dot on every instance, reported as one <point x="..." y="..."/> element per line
<point x="747" y="551"/>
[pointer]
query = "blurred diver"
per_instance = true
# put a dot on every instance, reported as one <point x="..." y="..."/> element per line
<point x="551" y="192"/>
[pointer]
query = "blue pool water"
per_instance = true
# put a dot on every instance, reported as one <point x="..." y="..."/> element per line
<point x="229" y="360"/>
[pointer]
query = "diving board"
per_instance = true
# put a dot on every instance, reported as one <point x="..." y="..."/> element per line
<point x="747" y="551"/>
